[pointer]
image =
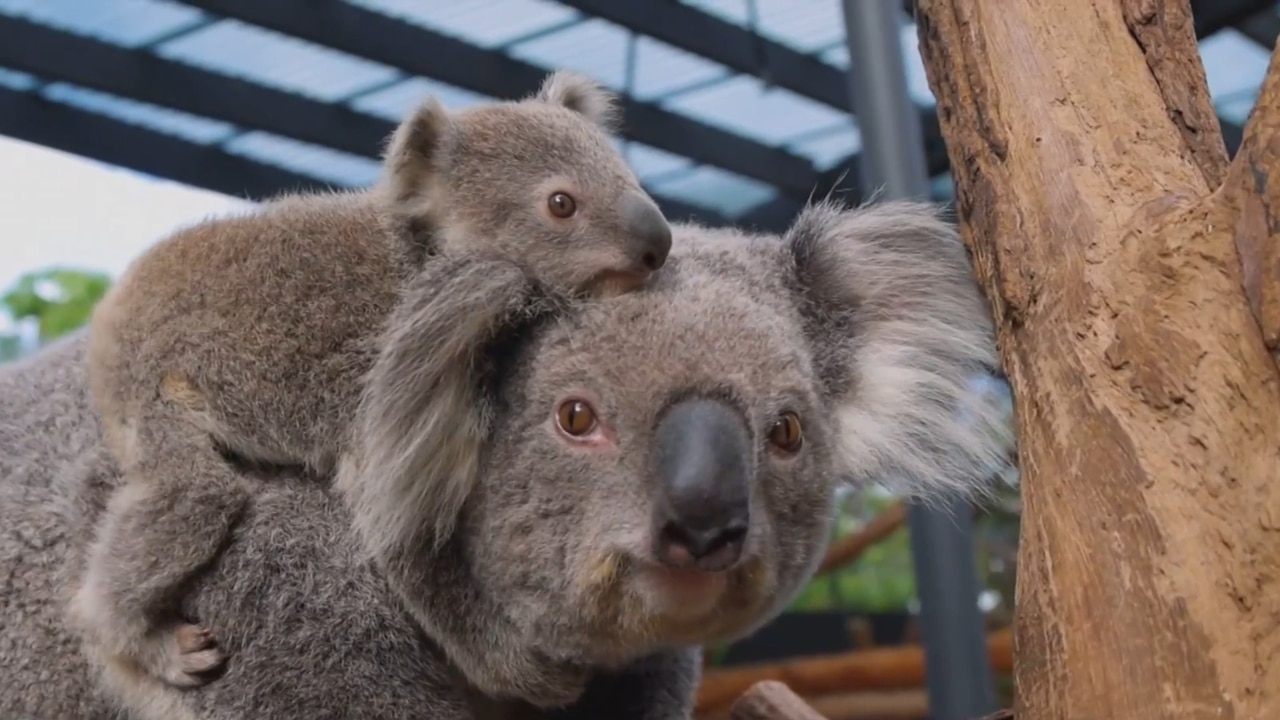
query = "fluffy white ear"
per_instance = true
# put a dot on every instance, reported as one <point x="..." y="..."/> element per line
<point x="582" y="95"/>
<point x="905" y="339"/>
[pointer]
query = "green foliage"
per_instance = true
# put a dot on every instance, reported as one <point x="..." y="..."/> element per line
<point x="881" y="580"/>
<point x="57" y="300"/>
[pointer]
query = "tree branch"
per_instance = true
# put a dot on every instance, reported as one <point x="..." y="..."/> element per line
<point x="1250" y="199"/>
<point x="771" y="700"/>
<point x="1149" y="407"/>
<point x="849" y="548"/>
<point x="1166" y="34"/>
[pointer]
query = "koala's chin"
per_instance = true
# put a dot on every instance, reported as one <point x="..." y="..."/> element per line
<point x="645" y="603"/>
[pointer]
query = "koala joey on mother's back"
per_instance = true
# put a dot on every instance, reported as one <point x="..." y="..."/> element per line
<point x="247" y="337"/>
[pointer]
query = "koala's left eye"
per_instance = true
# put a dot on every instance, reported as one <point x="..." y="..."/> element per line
<point x="576" y="418"/>
<point x="562" y="205"/>
<point x="785" y="434"/>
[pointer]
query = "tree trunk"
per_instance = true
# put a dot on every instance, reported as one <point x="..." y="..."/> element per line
<point x="1134" y="277"/>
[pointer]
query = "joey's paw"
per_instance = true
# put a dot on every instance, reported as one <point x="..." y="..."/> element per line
<point x="184" y="655"/>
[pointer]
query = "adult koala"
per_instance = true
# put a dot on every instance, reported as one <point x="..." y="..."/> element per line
<point x="652" y="472"/>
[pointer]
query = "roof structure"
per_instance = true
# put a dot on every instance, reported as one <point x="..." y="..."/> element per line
<point x="735" y="111"/>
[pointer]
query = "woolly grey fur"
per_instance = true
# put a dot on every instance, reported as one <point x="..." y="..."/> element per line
<point x="544" y="587"/>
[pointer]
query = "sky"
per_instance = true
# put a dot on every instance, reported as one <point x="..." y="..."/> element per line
<point x="116" y="213"/>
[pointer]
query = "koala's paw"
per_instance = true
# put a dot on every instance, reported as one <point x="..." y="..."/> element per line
<point x="182" y="654"/>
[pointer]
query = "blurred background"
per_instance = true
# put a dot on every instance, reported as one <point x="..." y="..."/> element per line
<point x="121" y="120"/>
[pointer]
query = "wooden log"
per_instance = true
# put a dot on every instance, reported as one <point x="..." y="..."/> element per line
<point x="880" y="669"/>
<point x="771" y="700"/>
<point x="849" y="548"/>
<point x="1136" y="310"/>
<point x="873" y="705"/>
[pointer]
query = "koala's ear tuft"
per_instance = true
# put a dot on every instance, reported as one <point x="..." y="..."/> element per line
<point x="582" y="95"/>
<point x="410" y="159"/>
<point x="904" y="338"/>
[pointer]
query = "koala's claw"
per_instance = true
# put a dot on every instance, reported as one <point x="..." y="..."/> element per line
<point x="187" y="655"/>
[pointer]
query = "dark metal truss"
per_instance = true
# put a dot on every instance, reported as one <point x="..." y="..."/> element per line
<point x="419" y="51"/>
<point x="29" y="117"/>
<point x="53" y="55"/>
<point x="143" y="76"/>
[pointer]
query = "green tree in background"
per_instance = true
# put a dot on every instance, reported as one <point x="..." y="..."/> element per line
<point x="56" y="300"/>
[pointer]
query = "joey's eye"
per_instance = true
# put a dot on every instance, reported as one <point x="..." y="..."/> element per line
<point x="785" y="434"/>
<point x="562" y="205"/>
<point x="576" y="418"/>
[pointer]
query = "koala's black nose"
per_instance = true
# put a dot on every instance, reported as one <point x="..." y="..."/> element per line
<point x="648" y="234"/>
<point x="703" y="462"/>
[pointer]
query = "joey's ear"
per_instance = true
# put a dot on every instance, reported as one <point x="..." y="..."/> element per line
<point x="425" y="413"/>
<point x="412" y="150"/>
<point x="905" y="338"/>
<point x="581" y="95"/>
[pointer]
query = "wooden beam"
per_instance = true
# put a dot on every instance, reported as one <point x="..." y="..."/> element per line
<point x="847" y="549"/>
<point x="889" y="668"/>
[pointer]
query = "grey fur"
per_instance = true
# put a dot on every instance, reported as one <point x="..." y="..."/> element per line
<point x="315" y="631"/>
<point x="545" y="587"/>
<point x="249" y="335"/>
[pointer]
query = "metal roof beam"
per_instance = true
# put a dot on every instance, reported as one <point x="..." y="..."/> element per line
<point x="30" y="118"/>
<point x="419" y="51"/>
<point x="1262" y="27"/>
<point x="695" y="31"/>
<point x="713" y="38"/>
<point x="1213" y="15"/>
<point x="139" y="75"/>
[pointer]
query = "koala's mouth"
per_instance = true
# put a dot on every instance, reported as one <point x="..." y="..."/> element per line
<point x="681" y="592"/>
<point x="610" y="283"/>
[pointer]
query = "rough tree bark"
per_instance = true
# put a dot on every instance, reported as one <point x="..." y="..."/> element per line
<point x="1134" y="276"/>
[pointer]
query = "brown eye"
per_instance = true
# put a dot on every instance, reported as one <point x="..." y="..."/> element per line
<point x="562" y="205"/>
<point x="786" y="434"/>
<point x="576" y="418"/>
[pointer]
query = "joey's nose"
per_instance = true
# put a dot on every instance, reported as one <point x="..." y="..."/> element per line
<point x="703" y="463"/>
<point x="647" y="231"/>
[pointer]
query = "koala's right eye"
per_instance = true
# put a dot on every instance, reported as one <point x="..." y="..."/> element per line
<point x="562" y="205"/>
<point x="576" y="418"/>
<point x="785" y="434"/>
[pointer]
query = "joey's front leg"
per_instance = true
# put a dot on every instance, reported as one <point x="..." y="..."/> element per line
<point x="658" y="687"/>
<point x="168" y="520"/>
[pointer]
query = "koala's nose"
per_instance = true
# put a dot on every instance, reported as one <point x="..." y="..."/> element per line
<point x="703" y="462"/>
<point x="647" y="231"/>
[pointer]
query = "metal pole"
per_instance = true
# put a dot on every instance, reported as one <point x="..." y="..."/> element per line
<point x="892" y="159"/>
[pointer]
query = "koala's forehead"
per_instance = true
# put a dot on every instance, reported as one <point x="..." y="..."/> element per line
<point x="709" y="323"/>
<point x="509" y="136"/>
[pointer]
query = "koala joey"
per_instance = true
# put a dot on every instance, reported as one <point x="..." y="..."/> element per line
<point x="247" y="337"/>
